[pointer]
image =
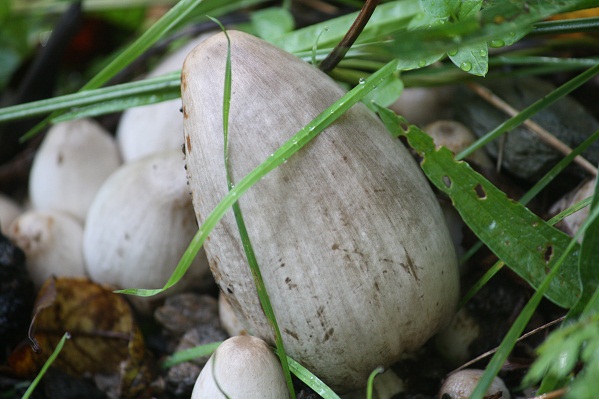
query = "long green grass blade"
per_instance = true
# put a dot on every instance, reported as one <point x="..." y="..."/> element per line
<point x="294" y="144"/>
<point x="167" y="83"/>
<point x="525" y="242"/>
<point x="507" y="344"/>
<point x="46" y="366"/>
<point x="190" y="354"/>
<point x="531" y="110"/>
<point x="588" y="262"/>
<point x="304" y="375"/>
<point x="148" y="38"/>
<point x="245" y="238"/>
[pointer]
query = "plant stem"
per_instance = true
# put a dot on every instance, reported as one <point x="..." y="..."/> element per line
<point x="350" y="37"/>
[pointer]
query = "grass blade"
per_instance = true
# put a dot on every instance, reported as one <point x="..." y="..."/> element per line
<point x="245" y="239"/>
<point x="190" y="354"/>
<point x="46" y="366"/>
<point x="531" y="110"/>
<point x="287" y="150"/>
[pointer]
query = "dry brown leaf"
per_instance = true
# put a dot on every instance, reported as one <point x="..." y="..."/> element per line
<point x="105" y="337"/>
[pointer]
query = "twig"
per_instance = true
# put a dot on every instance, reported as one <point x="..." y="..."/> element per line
<point x="350" y="37"/>
<point x="552" y="395"/>
<point x="492" y="351"/>
<point x="543" y="134"/>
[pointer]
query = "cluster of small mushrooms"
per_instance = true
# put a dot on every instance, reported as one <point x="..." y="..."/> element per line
<point x="352" y="243"/>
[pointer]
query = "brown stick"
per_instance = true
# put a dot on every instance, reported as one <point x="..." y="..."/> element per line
<point x="552" y="395"/>
<point x="543" y="134"/>
<point x="350" y="37"/>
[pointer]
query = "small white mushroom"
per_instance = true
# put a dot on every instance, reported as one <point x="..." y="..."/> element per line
<point x="139" y="225"/>
<point x="157" y="127"/>
<point x="457" y="137"/>
<point x="9" y="210"/>
<point x="242" y="367"/>
<point x="453" y="341"/>
<point x="52" y="242"/>
<point x="461" y="384"/>
<point x="228" y="319"/>
<point x="73" y="161"/>
<point x="422" y="105"/>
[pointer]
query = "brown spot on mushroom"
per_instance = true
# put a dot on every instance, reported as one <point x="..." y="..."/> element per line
<point x="60" y="159"/>
<point x="185" y="114"/>
<point x="291" y="334"/>
<point x="335" y="246"/>
<point x="410" y="268"/>
<point x="290" y="284"/>
<point x="188" y="143"/>
<point x="183" y="82"/>
<point x="328" y="334"/>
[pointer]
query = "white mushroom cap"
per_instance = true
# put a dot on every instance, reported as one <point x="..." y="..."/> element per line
<point x="243" y="367"/>
<point x="456" y="137"/>
<point x="157" y="127"/>
<point x="453" y="341"/>
<point x="73" y="161"/>
<point x="51" y="241"/>
<point x="140" y="223"/>
<point x="9" y="210"/>
<point x="461" y="384"/>
<point x="422" y="105"/>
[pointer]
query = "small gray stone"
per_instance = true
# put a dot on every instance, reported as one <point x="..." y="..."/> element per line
<point x="524" y="154"/>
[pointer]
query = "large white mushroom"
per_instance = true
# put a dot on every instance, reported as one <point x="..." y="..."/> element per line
<point x="140" y="223"/>
<point x="352" y="245"/>
<point x="52" y="243"/>
<point x="242" y="367"/>
<point x="70" y="166"/>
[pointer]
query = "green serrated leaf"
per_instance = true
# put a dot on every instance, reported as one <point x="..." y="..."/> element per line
<point x="469" y="9"/>
<point x="440" y="8"/>
<point x="386" y="18"/>
<point x="473" y="58"/>
<point x="525" y="242"/>
<point x="270" y="23"/>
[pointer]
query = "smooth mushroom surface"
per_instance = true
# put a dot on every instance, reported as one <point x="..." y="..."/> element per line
<point x="155" y="128"/>
<point x="139" y="225"/>
<point x="70" y="166"/>
<point x="242" y="367"/>
<point x="9" y="211"/>
<point x="461" y="384"/>
<point x="350" y="239"/>
<point x="52" y="243"/>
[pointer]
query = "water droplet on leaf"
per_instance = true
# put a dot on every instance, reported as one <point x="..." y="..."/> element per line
<point x="483" y="53"/>
<point x="422" y="63"/>
<point x="497" y="43"/>
<point x="466" y="66"/>
<point x="452" y="52"/>
<point x="361" y="81"/>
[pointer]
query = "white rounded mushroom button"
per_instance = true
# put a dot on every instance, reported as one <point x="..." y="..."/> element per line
<point x="242" y="367"/>
<point x="461" y="384"/>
